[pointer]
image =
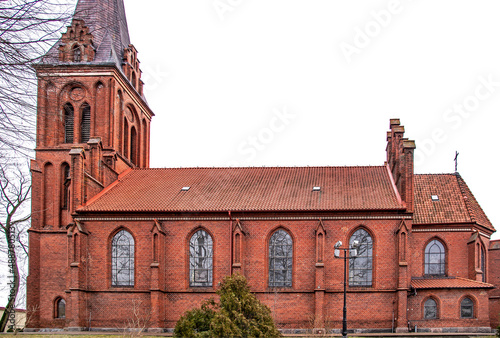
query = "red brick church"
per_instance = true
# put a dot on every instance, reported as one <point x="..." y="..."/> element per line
<point x="113" y="240"/>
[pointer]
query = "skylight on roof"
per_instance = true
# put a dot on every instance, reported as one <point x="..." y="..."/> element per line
<point x="435" y="197"/>
<point x="316" y="188"/>
<point x="185" y="188"/>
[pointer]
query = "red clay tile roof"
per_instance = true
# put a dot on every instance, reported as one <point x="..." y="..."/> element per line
<point x="456" y="203"/>
<point x="448" y="283"/>
<point x="249" y="189"/>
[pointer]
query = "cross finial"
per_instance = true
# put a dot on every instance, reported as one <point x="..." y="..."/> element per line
<point x="456" y="160"/>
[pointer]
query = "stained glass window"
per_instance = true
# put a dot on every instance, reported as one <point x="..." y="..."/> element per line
<point x="435" y="258"/>
<point x="361" y="264"/>
<point x="200" y="259"/>
<point x="122" y="256"/>
<point x="430" y="309"/>
<point x="280" y="259"/>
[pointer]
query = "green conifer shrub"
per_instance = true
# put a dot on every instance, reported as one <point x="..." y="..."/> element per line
<point x="238" y="314"/>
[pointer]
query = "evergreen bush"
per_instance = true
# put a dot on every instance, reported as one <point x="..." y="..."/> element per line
<point x="238" y="314"/>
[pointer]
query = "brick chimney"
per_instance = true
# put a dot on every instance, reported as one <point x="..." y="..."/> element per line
<point x="400" y="161"/>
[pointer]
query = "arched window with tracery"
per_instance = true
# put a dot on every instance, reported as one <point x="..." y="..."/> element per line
<point x="122" y="259"/>
<point x="280" y="259"/>
<point x="435" y="258"/>
<point x="361" y="264"/>
<point x="85" y="124"/>
<point x="69" y="122"/>
<point x="200" y="259"/>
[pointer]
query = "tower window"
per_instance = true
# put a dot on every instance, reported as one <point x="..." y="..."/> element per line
<point x="133" y="147"/>
<point x="60" y="308"/>
<point x="66" y="186"/>
<point x="77" y="53"/>
<point x="69" y="123"/>
<point x="483" y="264"/>
<point x="85" y="125"/>
<point x="125" y="138"/>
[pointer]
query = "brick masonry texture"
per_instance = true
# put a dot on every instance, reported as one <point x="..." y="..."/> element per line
<point x="85" y="191"/>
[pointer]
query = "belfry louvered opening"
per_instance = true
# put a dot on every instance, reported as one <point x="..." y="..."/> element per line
<point x="69" y="122"/>
<point x="85" y="125"/>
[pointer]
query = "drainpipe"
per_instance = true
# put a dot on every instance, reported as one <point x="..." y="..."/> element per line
<point x="230" y="242"/>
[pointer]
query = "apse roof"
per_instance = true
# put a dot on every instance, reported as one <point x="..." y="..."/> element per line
<point x="448" y="283"/>
<point x="249" y="189"/>
<point x="446" y="198"/>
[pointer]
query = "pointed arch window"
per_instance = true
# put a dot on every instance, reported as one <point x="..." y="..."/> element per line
<point x="77" y="53"/>
<point x="361" y="265"/>
<point x="144" y="138"/>
<point x="280" y="259"/>
<point x="85" y="124"/>
<point x="467" y="308"/>
<point x="60" y="308"/>
<point x="66" y="182"/>
<point x="122" y="257"/>
<point x="69" y="122"/>
<point x="435" y="258"/>
<point x="483" y="263"/>
<point x="133" y="146"/>
<point x="125" y="138"/>
<point x="200" y="259"/>
<point x="430" y="309"/>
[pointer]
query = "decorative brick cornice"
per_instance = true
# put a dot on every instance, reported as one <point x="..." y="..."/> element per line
<point x="272" y="218"/>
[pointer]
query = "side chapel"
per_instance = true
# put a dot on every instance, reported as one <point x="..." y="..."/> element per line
<point x="111" y="236"/>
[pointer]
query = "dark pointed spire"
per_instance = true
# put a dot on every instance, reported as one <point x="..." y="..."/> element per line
<point x="107" y="23"/>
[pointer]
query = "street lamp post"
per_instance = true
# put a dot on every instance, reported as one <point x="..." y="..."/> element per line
<point x="352" y="250"/>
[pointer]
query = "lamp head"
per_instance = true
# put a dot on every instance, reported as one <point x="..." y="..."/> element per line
<point x="338" y="244"/>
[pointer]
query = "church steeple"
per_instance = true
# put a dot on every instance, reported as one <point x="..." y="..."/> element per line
<point x="93" y="120"/>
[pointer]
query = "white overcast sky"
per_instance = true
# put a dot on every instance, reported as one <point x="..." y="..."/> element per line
<point x="315" y="82"/>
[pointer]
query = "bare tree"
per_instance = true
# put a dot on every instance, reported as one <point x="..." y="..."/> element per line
<point x="15" y="189"/>
<point x="28" y="28"/>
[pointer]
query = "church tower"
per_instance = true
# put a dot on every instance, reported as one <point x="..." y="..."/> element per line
<point x="93" y="123"/>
